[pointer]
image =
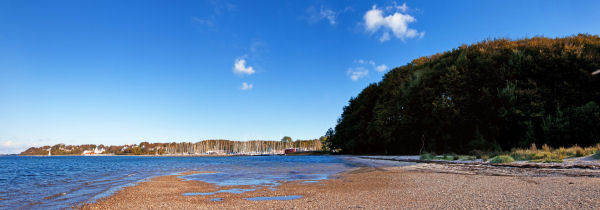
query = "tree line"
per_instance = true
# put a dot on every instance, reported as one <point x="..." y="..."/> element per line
<point x="186" y="148"/>
<point x="489" y="96"/>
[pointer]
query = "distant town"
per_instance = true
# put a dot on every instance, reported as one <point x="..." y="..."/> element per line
<point x="206" y="147"/>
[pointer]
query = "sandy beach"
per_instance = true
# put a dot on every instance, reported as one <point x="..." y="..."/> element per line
<point x="377" y="184"/>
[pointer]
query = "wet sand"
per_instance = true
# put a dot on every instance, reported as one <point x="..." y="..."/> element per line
<point x="420" y="186"/>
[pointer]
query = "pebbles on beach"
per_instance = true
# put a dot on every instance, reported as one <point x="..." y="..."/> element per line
<point x="412" y="187"/>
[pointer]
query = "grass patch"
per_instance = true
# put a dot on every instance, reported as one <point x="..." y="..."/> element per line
<point x="547" y="160"/>
<point x="545" y="154"/>
<point x="549" y="155"/>
<point x="448" y="157"/>
<point x="502" y="159"/>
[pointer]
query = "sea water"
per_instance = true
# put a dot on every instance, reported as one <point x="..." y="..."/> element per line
<point x="58" y="182"/>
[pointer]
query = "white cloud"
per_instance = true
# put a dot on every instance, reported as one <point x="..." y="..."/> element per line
<point x="239" y="67"/>
<point x="208" y="21"/>
<point x="325" y="13"/>
<point x="384" y="37"/>
<point x="361" y="61"/>
<point x="401" y="8"/>
<point x="218" y="9"/>
<point x="363" y="67"/>
<point x="396" y="23"/>
<point x="371" y="64"/>
<point x="246" y="86"/>
<point x="381" y="68"/>
<point x="329" y="15"/>
<point x="357" y="73"/>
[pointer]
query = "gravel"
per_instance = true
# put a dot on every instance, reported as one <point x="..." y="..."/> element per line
<point x="417" y="186"/>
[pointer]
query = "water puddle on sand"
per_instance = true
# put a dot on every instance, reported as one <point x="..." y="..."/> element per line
<point x="216" y="199"/>
<point x="275" y="198"/>
<point x="233" y="190"/>
<point x="311" y="181"/>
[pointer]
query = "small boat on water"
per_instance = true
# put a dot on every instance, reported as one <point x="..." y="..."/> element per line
<point x="289" y="151"/>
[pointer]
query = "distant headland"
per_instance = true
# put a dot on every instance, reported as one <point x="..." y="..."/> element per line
<point x="205" y="147"/>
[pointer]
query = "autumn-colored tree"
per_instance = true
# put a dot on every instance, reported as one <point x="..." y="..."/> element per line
<point x="287" y="139"/>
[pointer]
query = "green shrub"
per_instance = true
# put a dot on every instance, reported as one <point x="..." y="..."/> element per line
<point x="426" y="156"/>
<point x="547" y="160"/>
<point x="521" y="154"/>
<point x="591" y="150"/>
<point x="597" y="155"/>
<point x="561" y="151"/>
<point x="546" y="157"/>
<point x="550" y="160"/>
<point x="466" y="157"/>
<point x="448" y="157"/>
<point x="502" y="159"/>
<point x="546" y="148"/>
<point x="577" y="151"/>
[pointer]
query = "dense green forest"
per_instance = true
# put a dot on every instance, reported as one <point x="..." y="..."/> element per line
<point x="489" y="96"/>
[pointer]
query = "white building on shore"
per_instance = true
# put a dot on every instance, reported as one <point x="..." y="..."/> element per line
<point x="96" y="151"/>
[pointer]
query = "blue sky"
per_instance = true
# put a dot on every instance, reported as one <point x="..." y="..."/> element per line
<point x="121" y="72"/>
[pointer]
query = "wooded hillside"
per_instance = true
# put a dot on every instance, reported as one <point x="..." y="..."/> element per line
<point x="493" y="95"/>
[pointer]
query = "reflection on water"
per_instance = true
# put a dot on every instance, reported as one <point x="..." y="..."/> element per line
<point x="277" y="198"/>
<point x="61" y="182"/>
<point x="268" y="173"/>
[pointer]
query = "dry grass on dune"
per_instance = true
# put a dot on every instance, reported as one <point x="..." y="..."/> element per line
<point x="548" y="154"/>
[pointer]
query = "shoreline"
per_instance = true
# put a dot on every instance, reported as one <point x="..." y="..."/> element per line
<point x="374" y="184"/>
<point x="199" y="155"/>
<point x="185" y="155"/>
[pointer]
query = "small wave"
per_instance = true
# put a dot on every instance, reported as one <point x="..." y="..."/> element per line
<point x="55" y="195"/>
<point x="84" y="180"/>
<point x="34" y="203"/>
